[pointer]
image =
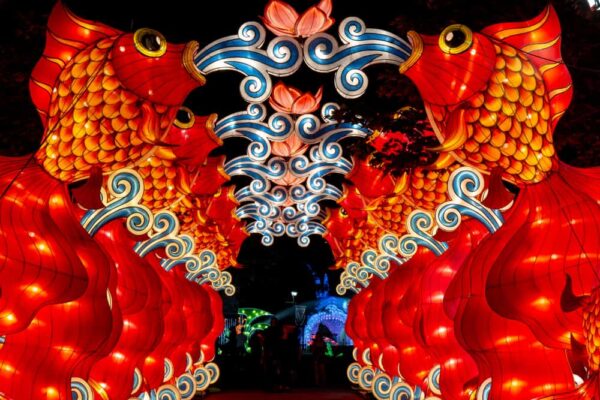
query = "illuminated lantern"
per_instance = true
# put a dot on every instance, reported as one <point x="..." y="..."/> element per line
<point x="458" y="374"/>
<point x="561" y="228"/>
<point x="208" y="178"/>
<point x="103" y="103"/>
<point x="356" y="324"/>
<point x="193" y="137"/>
<point x="372" y="182"/>
<point x="39" y="359"/>
<point x="194" y="299"/>
<point x="495" y="104"/>
<point x="397" y="284"/>
<point x="174" y="325"/>
<point x="414" y="361"/>
<point x="217" y="325"/>
<point x="373" y="314"/>
<point x="221" y="209"/>
<point x="503" y="349"/>
<point x="352" y="313"/>
<point x="289" y="100"/>
<point x="139" y="296"/>
<point x="281" y="19"/>
<point x="39" y="267"/>
<point x="343" y="223"/>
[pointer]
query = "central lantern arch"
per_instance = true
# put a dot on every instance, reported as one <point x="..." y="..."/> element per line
<point x="118" y="231"/>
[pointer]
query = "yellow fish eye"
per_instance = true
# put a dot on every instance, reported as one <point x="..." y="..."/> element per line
<point x="184" y="118"/>
<point x="455" y="39"/>
<point x="150" y="42"/>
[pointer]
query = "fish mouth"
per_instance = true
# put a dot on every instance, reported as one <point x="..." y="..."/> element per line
<point x="417" y="49"/>
<point x="188" y="61"/>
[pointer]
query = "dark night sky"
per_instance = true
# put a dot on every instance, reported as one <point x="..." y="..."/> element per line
<point x="271" y="273"/>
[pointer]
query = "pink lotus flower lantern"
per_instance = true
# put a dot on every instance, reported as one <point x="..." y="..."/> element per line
<point x="289" y="100"/>
<point x="283" y="20"/>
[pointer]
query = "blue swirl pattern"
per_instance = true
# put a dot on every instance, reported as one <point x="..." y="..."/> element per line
<point x="202" y="378"/>
<point x="421" y="228"/>
<point x="186" y="386"/>
<point x="81" y="390"/>
<point x="167" y="392"/>
<point x="165" y="234"/>
<point x="137" y="380"/>
<point x="268" y="208"/>
<point x="433" y="380"/>
<point x="465" y="187"/>
<point x="402" y="391"/>
<point x="352" y="372"/>
<point x="365" y="377"/>
<point x="484" y="390"/>
<point x="125" y="193"/>
<point x="243" y="53"/>
<point x="382" y="386"/>
<point x="250" y="124"/>
<point x="361" y="47"/>
<point x="214" y="372"/>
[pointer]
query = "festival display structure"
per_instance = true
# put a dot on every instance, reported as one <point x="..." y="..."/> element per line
<point x="117" y="232"/>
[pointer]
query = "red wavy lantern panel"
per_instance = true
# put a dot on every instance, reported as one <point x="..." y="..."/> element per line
<point x="173" y="321"/>
<point x="376" y="334"/>
<point x="39" y="267"/>
<point x="433" y="328"/>
<point x="503" y="349"/>
<point x="562" y="228"/>
<point x="217" y="324"/>
<point x="39" y="360"/>
<point x="138" y="293"/>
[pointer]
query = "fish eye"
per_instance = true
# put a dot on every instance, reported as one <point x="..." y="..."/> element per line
<point x="150" y="42"/>
<point x="184" y="118"/>
<point x="455" y="39"/>
<point x="343" y="212"/>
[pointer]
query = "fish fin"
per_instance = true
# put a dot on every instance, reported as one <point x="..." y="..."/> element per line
<point x="455" y="132"/>
<point x="568" y="300"/>
<point x="66" y="36"/>
<point x="540" y="39"/>
<point x="498" y="196"/>
<point x="444" y="161"/>
<point x="87" y="193"/>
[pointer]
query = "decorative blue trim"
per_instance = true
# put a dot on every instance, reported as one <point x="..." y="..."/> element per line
<point x="202" y="378"/>
<point x="243" y="53"/>
<point x="361" y="47"/>
<point x="165" y="234"/>
<point x="125" y="193"/>
<point x="81" y="390"/>
<point x="382" y="386"/>
<point x="186" y="386"/>
<point x="250" y="124"/>
<point x="352" y="372"/>
<point x="464" y="189"/>
<point x="421" y="228"/>
<point x="402" y="391"/>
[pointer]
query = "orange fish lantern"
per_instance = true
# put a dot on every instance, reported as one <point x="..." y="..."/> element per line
<point x="494" y="99"/>
<point x="497" y="98"/>
<point x="192" y="137"/>
<point x="101" y="96"/>
<point x="372" y="182"/>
